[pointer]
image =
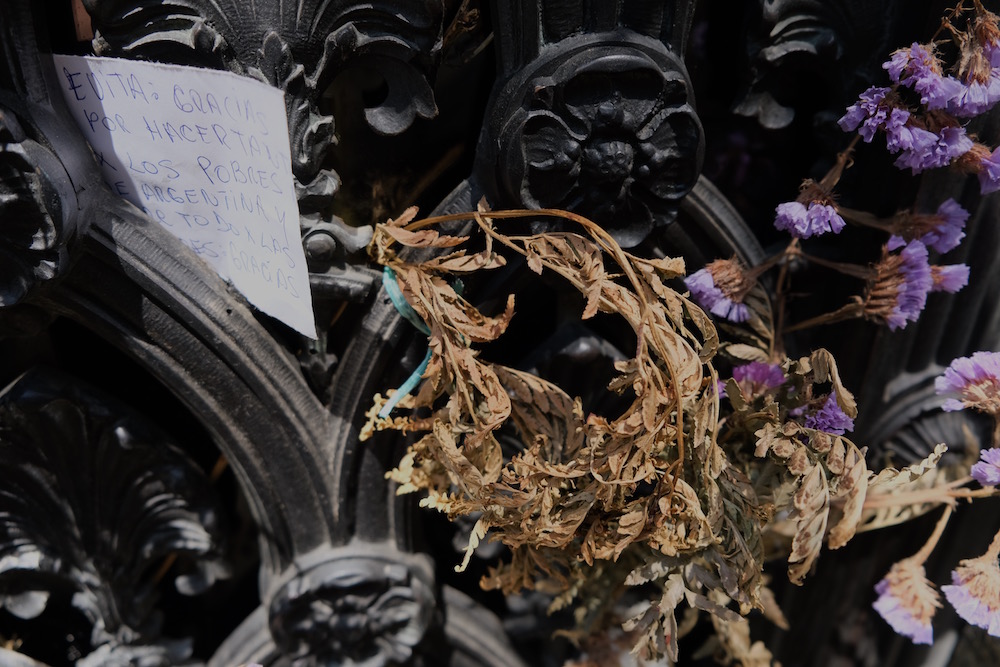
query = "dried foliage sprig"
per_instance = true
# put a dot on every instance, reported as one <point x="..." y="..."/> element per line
<point x="669" y="496"/>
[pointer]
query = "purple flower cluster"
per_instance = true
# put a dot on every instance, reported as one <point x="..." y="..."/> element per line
<point x="922" y="149"/>
<point x="975" y="592"/>
<point x="988" y="171"/>
<point x="947" y="231"/>
<point x="758" y="377"/>
<point x="869" y="114"/>
<point x="803" y="221"/>
<point x="976" y="97"/>
<point x="971" y="382"/>
<point x="918" y="68"/>
<point x="911" y="291"/>
<point x="987" y="470"/>
<point x="829" y="418"/>
<point x="949" y="278"/>
<point x="907" y="601"/>
<point x="709" y="296"/>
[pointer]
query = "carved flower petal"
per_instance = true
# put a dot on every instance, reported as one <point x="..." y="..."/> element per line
<point x="549" y="189"/>
<point x="549" y="143"/>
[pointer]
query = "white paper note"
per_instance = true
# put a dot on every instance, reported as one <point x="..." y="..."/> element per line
<point x="205" y="153"/>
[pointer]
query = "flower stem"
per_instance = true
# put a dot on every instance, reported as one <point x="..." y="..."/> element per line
<point x="781" y="289"/>
<point x="843" y="162"/>
<point x="866" y="219"/>
<point x="853" y="270"/>
<point x="932" y="541"/>
<point x="846" y="312"/>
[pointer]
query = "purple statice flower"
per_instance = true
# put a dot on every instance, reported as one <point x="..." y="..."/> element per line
<point x="942" y="231"/>
<point x="988" y="171"/>
<point x="868" y="113"/>
<point x="987" y="470"/>
<point x="918" y="68"/>
<point x="715" y="290"/>
<point x="829" y="418"/>
<point x="929" y="150"/>
<point x="898" y="291"/>
<point x="901" y="136"/>
<point x="758" y="377"/>
<point x="975" y="592"/>
<point x="991" y="51"/>
<point x="792" y="217"/>
<point x="898" y="135"/>
<point x="803" y="221"/>
<point x="971" y="382"/>
<point x="949" y="278"/>
<point x="907" y="601"/>
<point x="976" y="97"/>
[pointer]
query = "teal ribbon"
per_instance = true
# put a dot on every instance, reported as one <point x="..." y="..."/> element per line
<point x="406" y="310"/>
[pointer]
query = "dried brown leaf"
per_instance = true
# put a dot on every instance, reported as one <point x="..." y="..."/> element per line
<point x="812" y="506"/>
<point x="849" y="489"/>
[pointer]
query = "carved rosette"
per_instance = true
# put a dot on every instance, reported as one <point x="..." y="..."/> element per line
<point x="608" y="131"/>
<point x="358" y="610"/>
<point x="38" y="210"/>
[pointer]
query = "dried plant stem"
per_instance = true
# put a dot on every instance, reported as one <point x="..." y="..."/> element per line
<point x="781" y="297"/>
<point x="843" y="162"/>
<point x="853" y="270"/>
<point x="945" y="494"/>
<point x="846" y="312"/>
<point x="932" y="541"/>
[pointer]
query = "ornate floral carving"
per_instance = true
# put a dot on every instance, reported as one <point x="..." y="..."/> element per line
<point x="609" y="132"/>
<point x="93" y="502"/>
<point x="38" y="209"/>
<point x="364" y="611"/>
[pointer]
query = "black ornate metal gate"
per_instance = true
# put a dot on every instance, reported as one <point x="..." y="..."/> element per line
<point x="181" y="480"/>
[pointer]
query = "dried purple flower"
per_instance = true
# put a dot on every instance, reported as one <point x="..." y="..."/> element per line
<point x="949" y="278"/>
<point x="792" y="217"/>
<point x="942" y="231"/>
<point x="829" y="418"/>
<point x="869" y="112"/>
<point x="758" y="377"/>
<point x="720" y="288"/>
<point x="975" y="98"/>
<point x="987" y="470"/>
<point x="930" y="150"/>
<point x="898" y="291"/>
<point x="811" y="214"/>
<point x="989" y="172"/>
<point x="975" y="591"/>
<point x="898" y="133"/>
<point x="907" y="601"/>
<point x="918" y="68"/>
<point x="971" y="382"/>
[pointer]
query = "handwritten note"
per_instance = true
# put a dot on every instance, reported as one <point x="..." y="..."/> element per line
<point x="204" y="153"/>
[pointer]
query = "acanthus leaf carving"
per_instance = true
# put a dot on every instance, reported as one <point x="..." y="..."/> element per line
<point x="93" y="500"/>
<point x="39" y="210"/>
